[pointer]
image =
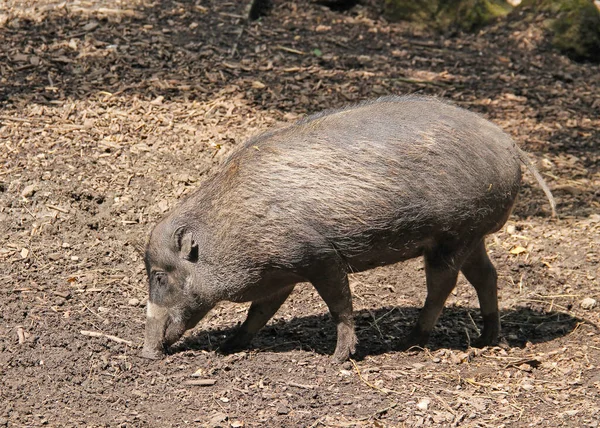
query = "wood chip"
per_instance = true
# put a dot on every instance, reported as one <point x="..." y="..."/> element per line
<point x="21" y="335"/>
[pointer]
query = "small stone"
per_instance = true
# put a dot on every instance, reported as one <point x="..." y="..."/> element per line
<point x="54" y="256"/>
<point x="29" y="191"/>
<point x="103" y="310"/>
<point x="527" y="386"/>
<point x="424" y="403"/>
<point x="24" y="253"/>
<point x="283" y="410"/>
<point x="133" y="302"/>
<point x="588" y="303"/>
<point x="74" y="258"/>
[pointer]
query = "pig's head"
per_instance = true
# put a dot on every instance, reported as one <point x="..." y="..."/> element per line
<point x="176" y="299"/>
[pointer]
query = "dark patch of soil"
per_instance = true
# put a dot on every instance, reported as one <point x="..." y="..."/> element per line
<point x="110" y="112"/>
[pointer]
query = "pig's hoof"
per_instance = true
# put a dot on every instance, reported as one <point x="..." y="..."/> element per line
<point x="485" y="340"/>
<point x="410" y="346"/>
<point x="345" y="348"/>
<point x="152" y="354"/>
<point x="414" y="341"/>
<point x="235" y="343"/>
<point x="340" y="356"/>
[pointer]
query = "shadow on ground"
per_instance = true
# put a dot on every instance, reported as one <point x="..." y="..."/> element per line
<point x="381" y="331"/>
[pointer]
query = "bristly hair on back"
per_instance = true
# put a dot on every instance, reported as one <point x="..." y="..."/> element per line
<point x="330" y="111"/>
<point x="365" y="103"/>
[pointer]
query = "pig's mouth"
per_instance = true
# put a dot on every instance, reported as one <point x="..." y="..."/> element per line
<point x="162" y="330"/>
<point x="155" y="349"/>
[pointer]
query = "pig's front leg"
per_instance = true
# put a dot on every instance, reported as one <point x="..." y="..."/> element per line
<point x="332" y="285"/>
<point x="259" y="314"/>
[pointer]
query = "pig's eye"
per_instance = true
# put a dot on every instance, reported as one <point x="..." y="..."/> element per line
<point x="160" y="279"/>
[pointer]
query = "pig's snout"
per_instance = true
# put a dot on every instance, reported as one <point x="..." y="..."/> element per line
<point x="160" y="331"/>
<point x="157" y="341"/>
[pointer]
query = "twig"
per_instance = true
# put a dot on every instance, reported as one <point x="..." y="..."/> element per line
<point x="233" y="49"/>
<point x="473" y="382"/>
<point x="231" y="15"/>
<point x="299" y="385"/>
<point x="92" y="312"/>
<point x="15" y="119"/>
<point x="318" y="422"/>
<point x="369" y="384"/>
<point x="473" y="322"/>
<point x="200" y="382"/>
<point x="444" y="403"/>
<point x="59" y="209"/>
<point x="424" y="45"/>
<point x="556" y="296"/>
<point x="108" y="336"/>
<point x="290" y="50"/>
<point x="375" y="324"/>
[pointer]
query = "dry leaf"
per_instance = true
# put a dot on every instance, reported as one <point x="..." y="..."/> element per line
<point x="518" y="250"/>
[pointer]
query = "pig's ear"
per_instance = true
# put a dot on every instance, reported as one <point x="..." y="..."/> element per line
<point x="188" y="248"/>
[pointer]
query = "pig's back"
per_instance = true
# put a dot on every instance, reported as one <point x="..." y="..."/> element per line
<point x="404" y="166"/>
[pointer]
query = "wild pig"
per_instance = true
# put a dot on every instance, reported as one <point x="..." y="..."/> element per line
<point x="339" y="192"/>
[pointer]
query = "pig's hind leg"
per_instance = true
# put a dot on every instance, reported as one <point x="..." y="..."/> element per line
<point x="441" y="275"/>
<point x="480" y="272"/>
<point x="259" y="314"/>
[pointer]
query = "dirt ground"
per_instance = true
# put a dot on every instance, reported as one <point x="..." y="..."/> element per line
<point x="111" y="111"/>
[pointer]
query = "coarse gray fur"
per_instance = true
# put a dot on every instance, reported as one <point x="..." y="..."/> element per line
<point x="341" y="191"/>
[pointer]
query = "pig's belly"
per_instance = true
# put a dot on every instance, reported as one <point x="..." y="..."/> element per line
<point x="387" y="253"/>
